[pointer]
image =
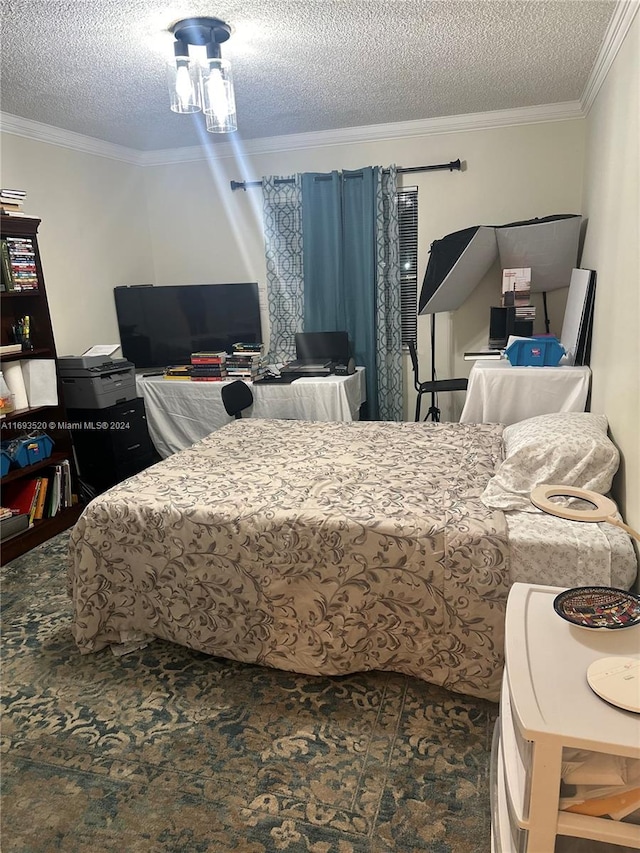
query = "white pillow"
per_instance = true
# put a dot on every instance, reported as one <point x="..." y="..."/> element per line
<point x="567" y="449"/>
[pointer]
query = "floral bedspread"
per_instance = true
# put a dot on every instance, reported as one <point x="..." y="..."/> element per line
<point x="322" y="548"/>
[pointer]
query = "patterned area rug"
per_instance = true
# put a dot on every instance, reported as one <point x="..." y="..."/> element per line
<point x="166" y="749"/>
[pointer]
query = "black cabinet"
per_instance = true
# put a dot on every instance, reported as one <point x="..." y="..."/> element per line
<point x="111" y="444"/>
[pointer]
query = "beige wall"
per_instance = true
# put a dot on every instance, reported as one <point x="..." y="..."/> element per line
<point x="107" y="222"/>
<point x="510" y="173"/>
<point x="94" y="233"/>
<point x="612" y="241"/>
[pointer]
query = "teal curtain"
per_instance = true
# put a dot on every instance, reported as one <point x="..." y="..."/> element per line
<point x="338" y="227"/>
<point x="333" y="265"/>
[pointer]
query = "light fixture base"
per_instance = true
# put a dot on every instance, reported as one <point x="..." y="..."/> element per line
<point x="201" y="31"/>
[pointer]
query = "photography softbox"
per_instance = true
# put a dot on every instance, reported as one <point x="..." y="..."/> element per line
<point x="549" y="246"/>
<point x="458" y="262"/>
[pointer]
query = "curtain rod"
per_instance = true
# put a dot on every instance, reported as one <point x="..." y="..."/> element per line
<point x="453" y="165"/>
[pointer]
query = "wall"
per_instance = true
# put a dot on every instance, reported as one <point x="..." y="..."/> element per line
<point x="94" y="233"/>
<point x="107" y="222"/>
<point x="510" y="173"/>
<point x="612" y="241"/>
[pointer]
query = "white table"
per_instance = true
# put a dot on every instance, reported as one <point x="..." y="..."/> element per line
<point x="500" y="393"/>
<point x="547" y="704"/>
<point x="180" y="412"/>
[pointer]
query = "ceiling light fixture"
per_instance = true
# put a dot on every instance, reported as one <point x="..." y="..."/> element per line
<point x="199" y="78"/>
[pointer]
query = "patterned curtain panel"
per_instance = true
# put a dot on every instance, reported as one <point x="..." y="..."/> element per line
<point x="388" y="304"/>
<point x="282" y="219"/>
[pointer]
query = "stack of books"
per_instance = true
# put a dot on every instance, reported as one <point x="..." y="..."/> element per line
<point x="11" y="202"/>
<point x="18" y="264"/>
<point x="181" y="371"/>
<point x="246" y="362"/>
<point x="208" y="366"/>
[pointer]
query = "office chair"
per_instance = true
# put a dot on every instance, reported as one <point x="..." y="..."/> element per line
<point x="432" y="387"/>
<point x="236" y="397"/>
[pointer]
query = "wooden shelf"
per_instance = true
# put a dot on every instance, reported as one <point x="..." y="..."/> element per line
<point x="7" y="294"/>
<point x="17" y="414"/>
<point x="40" y="532"/>
<point x="41" y="352"/>
<point x="19" y="473"/>
<point x="50" y="419"/>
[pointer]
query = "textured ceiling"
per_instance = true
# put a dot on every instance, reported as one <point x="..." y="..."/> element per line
<point x="96" y="67"/>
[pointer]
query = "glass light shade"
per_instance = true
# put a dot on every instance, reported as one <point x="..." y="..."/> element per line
<point x="183" y="78"/>
<point x="218" y="98"/>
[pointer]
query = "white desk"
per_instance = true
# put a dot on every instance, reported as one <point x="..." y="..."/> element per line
<point x="180" y="413"/>
<point x="500" y="393"/>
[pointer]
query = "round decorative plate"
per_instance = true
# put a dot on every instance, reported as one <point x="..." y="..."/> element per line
<point x="598" y="607"/>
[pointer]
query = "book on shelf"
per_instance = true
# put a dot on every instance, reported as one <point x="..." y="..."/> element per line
<point x="13" y="525"/>
<point x="21" y="496"/>
<point x="7" y="275"/>
<point x="53" y="502"/>
<point x="40" y="501"/>
<point x="19" y="263"/>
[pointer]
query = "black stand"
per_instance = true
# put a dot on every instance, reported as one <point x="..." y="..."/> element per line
<point x="547" y="324"/>
<point x="435" y="385"/>
<point x="434" y="411"/>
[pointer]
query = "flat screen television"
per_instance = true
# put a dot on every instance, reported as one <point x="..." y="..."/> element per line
<point x="162" y="325"/>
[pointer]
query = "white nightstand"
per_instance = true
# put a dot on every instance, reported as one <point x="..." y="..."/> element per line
<point x="546" y="705"/>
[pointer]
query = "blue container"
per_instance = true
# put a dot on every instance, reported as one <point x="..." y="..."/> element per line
<point x="28" y="451"/>
<point x="535" y="352"/>
<point x="5" y="459"/>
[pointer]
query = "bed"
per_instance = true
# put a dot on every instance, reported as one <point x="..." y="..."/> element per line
<point x="326" y="548"/>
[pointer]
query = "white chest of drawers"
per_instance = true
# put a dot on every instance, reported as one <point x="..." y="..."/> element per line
<point x="547" y="705"/>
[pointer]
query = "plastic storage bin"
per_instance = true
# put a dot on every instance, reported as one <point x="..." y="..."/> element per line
<point x="535" y="352"/>
<point x="5" y="460"/>
<point x="28" y="451"/>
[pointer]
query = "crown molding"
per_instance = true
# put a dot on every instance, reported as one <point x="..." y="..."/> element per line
<point x="619" y="25"/>
<point x="238" y="148"/>
<point x="28" y="129"/>
<point x="369" y="133"/>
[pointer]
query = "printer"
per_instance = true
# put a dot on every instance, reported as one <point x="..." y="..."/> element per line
<point x="96" y="382"/>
